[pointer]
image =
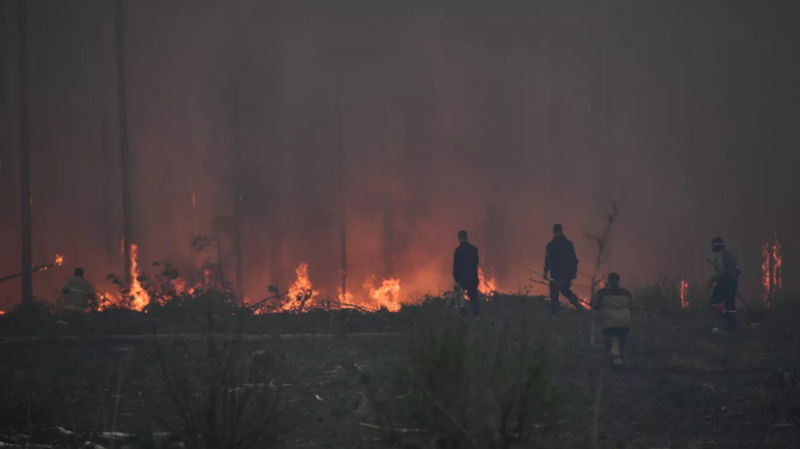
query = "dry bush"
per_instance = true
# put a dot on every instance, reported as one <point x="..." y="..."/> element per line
<point x="663" y="296"/>
<point x="458" y="387"/>
<point x="225" y="403"/>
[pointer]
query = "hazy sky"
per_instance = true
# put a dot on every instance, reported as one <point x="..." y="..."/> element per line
<point x="497" y="120"/>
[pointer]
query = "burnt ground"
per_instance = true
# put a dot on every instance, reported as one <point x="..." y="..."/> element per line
<point x="682" y="386"/>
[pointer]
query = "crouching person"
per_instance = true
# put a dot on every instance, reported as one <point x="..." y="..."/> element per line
<point x="614" y="304"/>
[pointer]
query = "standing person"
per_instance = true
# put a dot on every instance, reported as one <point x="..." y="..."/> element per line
<point x="562" y="264"/>
<point x="727" y="278"/>
<point x="614" y="304"/>
<point x="78" y="293"/>
<point x="465" y="272"/>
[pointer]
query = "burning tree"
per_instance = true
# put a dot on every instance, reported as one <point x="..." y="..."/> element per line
<point x="771" y="271"/>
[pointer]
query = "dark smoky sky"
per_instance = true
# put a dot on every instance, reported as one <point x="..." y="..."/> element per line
<point x="499" y="119"/>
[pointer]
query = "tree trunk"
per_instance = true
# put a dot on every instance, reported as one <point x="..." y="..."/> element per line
<point x="108" y="205"/>
<point x="124" y="153"/>
<point x="237" y="162"/>
<point x="342" y="208"/>
<point x="386" y="199"/>
<point x="25" y="154"/>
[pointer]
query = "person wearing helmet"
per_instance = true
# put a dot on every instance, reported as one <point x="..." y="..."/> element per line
<point x="614" y="304"/>
<point x="78" y="293"/>
<point x="726" y="277"/>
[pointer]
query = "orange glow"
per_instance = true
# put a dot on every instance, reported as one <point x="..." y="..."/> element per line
<point x="59" y="260"/>
<point x="487" y="287"/>
<point x="301" y="291"/>
<point x="765" y="273"/>
<point x="387" y="296"/>
<point x="181" y="287"/>
<point x="777" y="271"/>
<point x="684" y="291"/>
<point x="2" y="312"/>
<point x="346" y="299"/>
<point x="206" y="276"/>
<point x="139" y="296"/>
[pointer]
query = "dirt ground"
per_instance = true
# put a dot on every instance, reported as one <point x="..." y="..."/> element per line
<point x="682" y="386"/>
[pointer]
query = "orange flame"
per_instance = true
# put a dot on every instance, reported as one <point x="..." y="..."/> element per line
<point x="139" y="296"/>
<point x="387" y="296"/>
<point x="765" y="273"/>
<point x="347" y="298"/>
<point x="684" y="291"/>
<point x="59" y="260"/>
<point x="777" y="270"/>
<point x="487" y="287"/>
<point x="301" y="291"/>
<point x="2" y="312"/>
<point x="181" y="286"/>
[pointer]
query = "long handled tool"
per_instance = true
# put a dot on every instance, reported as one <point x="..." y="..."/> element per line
<point x="559" y="283"/>
<point x="737" y="293"/>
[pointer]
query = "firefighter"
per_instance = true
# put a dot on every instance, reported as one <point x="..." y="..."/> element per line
<point x="614" y="304"/>
<point x="562" y="264"/>
<point x="723" y="298"/>
<point x="465" y="272"/>
<point x="77" y="293"/>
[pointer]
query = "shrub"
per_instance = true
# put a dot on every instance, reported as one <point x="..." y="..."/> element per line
<point x="664" y="296"/>
<point x="460" y="388"/>
<point x="224" y="403"/>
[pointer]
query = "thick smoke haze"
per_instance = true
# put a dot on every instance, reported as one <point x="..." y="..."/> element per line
<point x="500" y="120"/>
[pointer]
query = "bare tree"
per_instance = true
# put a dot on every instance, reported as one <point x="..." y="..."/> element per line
<point x="124" y="153"/>
<point x="237" y="158"/>
<point x="601" y="242"/>
<point x="25" y="153"/>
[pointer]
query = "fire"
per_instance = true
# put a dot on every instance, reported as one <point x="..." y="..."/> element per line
<point x="2" y="312"/>
<point x="346" y="298"/>
<point x="684" y="291"/>
<point x="139" y="296"/>
<point x="181" y="287"/>
<point x="487" y="287"/>
<point x="301" y="291"/>
<point x="777" y="270"/>
<point x="206" y="276"/>
<point x="765" y="273"/>
<point x="59" y="260"/>
<point x="387" y="296"/>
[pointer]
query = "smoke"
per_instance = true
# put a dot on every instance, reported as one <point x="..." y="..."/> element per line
<point x="497" y="120"/>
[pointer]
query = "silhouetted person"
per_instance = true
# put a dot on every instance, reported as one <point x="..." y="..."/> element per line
<point x="465" y="271"/>
<point x="727" y="278"/>
<point x="614" y="304"/>
<point x="562" y="264"/>
<point x="78" y="293"/>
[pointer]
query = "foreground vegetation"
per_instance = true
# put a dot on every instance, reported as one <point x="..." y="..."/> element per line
<point x="417" y="378"/>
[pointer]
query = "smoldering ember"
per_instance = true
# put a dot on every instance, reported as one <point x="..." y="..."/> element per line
<point x="250" y="224"/>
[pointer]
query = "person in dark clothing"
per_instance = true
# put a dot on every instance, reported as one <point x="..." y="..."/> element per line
<point x="727" y="278"/>
<point x="561" y="263"/>
<point x="465" y="271"/>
